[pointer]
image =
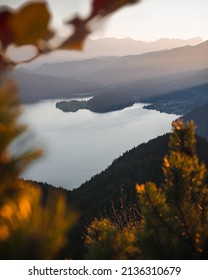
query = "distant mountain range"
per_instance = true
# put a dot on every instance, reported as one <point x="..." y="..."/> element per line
<point x="114" y="47"/>
<point x="135" y="76"/>
<point x="114" y="71"/>
<point x="128" y="46"/>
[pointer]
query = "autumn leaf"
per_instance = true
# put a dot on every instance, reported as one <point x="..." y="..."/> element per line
<point x="6" y="33"/>
<point x="105" y="7"/>
<point x="76" y="40"/>
<point x="26" y="26"/>
<point x="30" y="24"/>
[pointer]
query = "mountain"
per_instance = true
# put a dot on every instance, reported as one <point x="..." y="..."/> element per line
<point x="34" y="86"/>
<point x="128" y="46"/>
<point x="135" y="76"/>
<point x="114" y="71"/>
<point x="113" y="47"/>
<point x="156" y="64"/>
<point x="85" y="69"/>
<point x="200" y="118"/>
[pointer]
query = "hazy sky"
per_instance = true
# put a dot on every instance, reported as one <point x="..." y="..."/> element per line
<point x="149" y="20"/>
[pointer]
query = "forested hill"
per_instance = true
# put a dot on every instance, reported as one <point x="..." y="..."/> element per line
<point x="200" y="118"/>
<point x="95" y="197"/>
<point x="139" y="165"/>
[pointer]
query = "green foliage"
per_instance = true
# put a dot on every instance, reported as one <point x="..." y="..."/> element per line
<point x="11" y="166"/>
<point x="140" y="164"/>
<point x="114" y="237"/>
<point x="29" y="229"/>
<point x="105" y="241"/>
<point x="176" y="214"/>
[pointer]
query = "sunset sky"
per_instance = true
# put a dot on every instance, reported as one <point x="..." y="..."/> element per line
<point x="148" y="21"/>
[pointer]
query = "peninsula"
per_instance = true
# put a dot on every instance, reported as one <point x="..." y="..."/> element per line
<point x="98" y="104"/>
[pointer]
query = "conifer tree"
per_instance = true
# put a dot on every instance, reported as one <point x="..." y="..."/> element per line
<point x="176" y="213"/>
<point x="174" y="221"/>
<point x="105" y="240"/>
<point x="29" y="228"/>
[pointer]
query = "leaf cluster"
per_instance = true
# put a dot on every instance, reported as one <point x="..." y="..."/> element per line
<point x="30" y="25"/>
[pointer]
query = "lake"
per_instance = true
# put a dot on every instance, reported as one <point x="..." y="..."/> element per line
<point x="79" y="145"/>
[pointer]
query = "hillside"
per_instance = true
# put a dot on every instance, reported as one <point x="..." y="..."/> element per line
<point x="139" y="165"/>
<point x="180" y="101"/>
<point x="200" y="118"/>
<point x="95" y="197"/>
<point x="34" y="87"/>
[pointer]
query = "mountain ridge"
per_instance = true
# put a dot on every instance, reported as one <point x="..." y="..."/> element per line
<point x="114" y="47"/>
<point x="138" y="75"/>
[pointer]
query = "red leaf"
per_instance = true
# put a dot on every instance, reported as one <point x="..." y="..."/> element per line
<point x="76" y="40"/>
<point x="27" y="25"/>
<point x="105" y="7"/>
<point x="6" y="33"/>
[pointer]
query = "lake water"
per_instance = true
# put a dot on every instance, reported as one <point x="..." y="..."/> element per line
<point x="80" y="145"/>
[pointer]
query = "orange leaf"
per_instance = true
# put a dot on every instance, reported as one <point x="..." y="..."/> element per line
<point x="25" y="26"/>
<point x="30" y="24"/>
<point x="76" y="40"/>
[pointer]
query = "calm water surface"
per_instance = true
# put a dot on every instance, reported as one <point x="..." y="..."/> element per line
<point x="80" y="145"/>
